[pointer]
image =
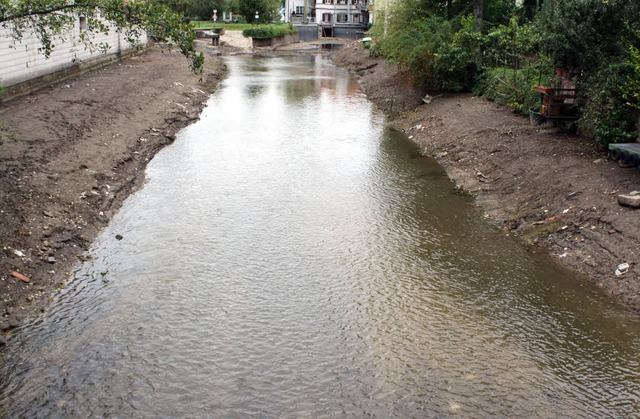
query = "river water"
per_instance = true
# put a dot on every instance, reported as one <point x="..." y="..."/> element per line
<point x="290" y="256"/>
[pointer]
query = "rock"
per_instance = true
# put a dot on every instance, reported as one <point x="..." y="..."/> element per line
<point x="622" y="269"/>
<point x="51" y="259"/>
<point x="3" y="340"/>
<point x="632" y="201"/>
<point x="119" y="237"/>
<point x="18" y="253"/>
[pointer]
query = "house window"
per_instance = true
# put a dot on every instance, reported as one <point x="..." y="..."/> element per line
<point x="358" y="19"/>
<point x="328" y="1"/>
<point x="342" y="18"/>
<point x="326" y="17"/>
<point x="300" y="10"/>
<point x="83" y="23"/>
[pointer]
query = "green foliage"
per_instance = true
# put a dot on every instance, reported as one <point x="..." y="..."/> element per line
<point x="54" y="19"/>
<point x="414" y="48"/>
<point x="630" y="85"/>
<point x="582" y="34"/>
<point x="614" y="125"/>
<point x="510" y="44"/>
<point x="203" y="9"/>
<point x="456" y="63"/>
<point x="269" y="31"/>
<point x="514" y="89"/>
<point x="267" y="10"/>
<point x="606" y="113"/>
<point x="431" y="53"/>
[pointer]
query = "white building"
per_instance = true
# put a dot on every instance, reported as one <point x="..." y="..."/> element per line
<point x="23" y="65"/>
<point x="333" y="17"/>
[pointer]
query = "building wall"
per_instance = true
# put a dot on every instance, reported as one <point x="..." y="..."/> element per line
<point x="297" y="6"/>
<point x="22" y="62"/>
<point x="341" y="12"/>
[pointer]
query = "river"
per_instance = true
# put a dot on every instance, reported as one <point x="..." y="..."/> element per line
<point x="291" y="256"/>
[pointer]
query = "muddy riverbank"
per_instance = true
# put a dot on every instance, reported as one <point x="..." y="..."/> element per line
<point x="552" y="189"/>
<point x="71" y="153"/>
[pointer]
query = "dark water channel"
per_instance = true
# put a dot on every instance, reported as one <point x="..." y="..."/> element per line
<point x="289" y="258"/>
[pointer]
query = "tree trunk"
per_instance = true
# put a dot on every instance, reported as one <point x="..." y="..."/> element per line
<point x="478" y="14"/>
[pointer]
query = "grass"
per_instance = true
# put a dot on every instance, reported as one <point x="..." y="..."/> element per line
<point x="227" y="26"/>
<point x="532" y="232"/>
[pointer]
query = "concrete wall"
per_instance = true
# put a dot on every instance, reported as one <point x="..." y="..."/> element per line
<point x="278" y="40"/>
<point x="23" y="64"/>
<point x="352" y="32"/>
<point x="307" y="32"/>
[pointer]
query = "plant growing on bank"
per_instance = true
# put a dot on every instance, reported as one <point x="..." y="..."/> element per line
<point x="514" y="89"/>
<point x="53" y="20"/>
<point x="269" y="31"/>
<point x="607" y="112"/>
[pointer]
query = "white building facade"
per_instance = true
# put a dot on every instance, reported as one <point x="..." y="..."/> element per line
<point x="333" y="17"/>
<point x="22" y="60"/>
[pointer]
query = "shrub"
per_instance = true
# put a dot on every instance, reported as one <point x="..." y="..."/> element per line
<point x="514" y="89"/>
<point x="432" y="54"/>
<point x="269" y="31"/>
<point x="607" y="114"/>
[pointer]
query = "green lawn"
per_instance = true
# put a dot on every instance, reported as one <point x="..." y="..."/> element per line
<point x="227" y="26"/>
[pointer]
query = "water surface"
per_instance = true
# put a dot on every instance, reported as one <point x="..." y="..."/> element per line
<point x="288" y="257"/>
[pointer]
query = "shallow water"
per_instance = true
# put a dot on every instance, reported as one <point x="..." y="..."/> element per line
<point x="288" y="257"/>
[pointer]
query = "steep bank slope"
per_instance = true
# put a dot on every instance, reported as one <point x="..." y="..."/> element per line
<point x="71" y="153"/>
<point x="553" y="189"/>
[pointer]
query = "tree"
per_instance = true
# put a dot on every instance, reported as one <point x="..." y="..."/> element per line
<point x="267" y="10"/>
<point x="478" y="14"/>
<point x="50" y="20"/>
<point x="203" y="9"/>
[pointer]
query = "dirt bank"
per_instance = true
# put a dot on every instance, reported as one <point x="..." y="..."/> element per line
<point x="552" y="189"/>
<point x="71" y="153"/>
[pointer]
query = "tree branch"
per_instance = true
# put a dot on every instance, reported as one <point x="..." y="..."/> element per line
<point x="28" y="13"/>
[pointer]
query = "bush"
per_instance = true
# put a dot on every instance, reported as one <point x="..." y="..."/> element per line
<point x="432" y="54"/>
<point x="269" y="31"/>
<point x="607" y="112"/>
<point x="514" y="89"/>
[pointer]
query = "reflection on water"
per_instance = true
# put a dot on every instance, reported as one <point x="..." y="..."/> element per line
<point x="288" y="257"/>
